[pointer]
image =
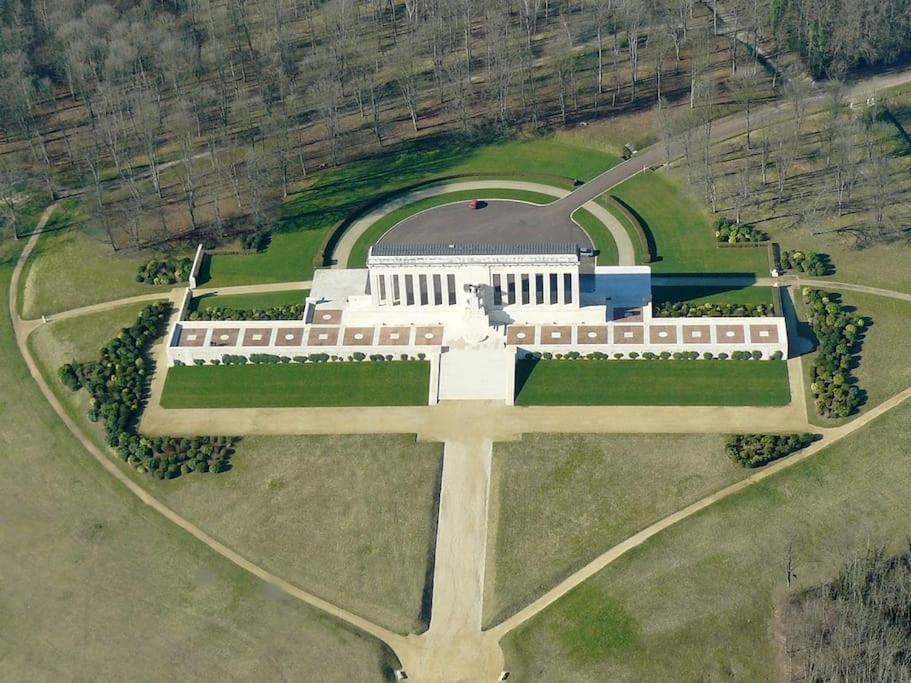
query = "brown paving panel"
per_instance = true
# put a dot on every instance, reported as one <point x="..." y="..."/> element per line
<point x="327" y="316"/>
<point x="428" y="336"/>
<point x="662" y="334"/>
<point x="394" y="336"/>
<point x="191" y="336"/>
<point x="289" y="336"/>
<point x="322" y="336"/>
<point x="556" y="334"/>
<point x="629" y="334"/>
<point x="358" y="336"/>
<point x="697" y="334"/>
<point x="764" y="334"/>
<point x="257" y="336"/>
<point x="224" y="336"/>
<point x="520" y="334"/>
<point x="592" y="334"/>
<point x="729" y="334"/>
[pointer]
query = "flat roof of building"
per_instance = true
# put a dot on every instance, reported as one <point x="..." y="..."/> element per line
<point x="474" y="249"/>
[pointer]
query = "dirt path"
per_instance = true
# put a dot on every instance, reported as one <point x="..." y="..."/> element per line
<point x="454" y="647"/>
<point x="21" y="329"/>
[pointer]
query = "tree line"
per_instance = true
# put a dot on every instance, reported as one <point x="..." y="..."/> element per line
<point x="188" y="116"/>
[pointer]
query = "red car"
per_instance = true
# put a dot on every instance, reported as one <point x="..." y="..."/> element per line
<point x="474" y="204"/>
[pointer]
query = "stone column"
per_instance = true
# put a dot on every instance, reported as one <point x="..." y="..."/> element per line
<point x="533" y="289"/>
<point x="575" y="279"/>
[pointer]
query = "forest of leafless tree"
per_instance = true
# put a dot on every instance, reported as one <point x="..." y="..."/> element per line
<point x="195" y="115"/>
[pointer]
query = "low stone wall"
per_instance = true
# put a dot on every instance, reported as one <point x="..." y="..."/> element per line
<point x="197" y="264"/>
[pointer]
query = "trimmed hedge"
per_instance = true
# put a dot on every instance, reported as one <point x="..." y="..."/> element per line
<point x="834" y="392"/>
<point x="288" y="312"/>
<point x="116" y="382"/>
<point x="756" y="450"/>
<point x="682" y="309"/>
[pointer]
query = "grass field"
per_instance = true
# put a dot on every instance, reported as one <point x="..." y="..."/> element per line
<point x="310" y="213"/>
<point x="682" y="229"/>
<point x="600" y="236"/>
<point x="713" y="295"/>
<point x="69" y="269"/>
<point x="98" y="587"/>
<point x="654" y="382"/>
<point x="387" y="383"/>
<point x="696" y="601"/>
<point x="358" y="256"/>
<point x="259" y="300"/>
<point x="350" y="518"/>
<point x="561" y="500"/>
<point x="883" y="369"/>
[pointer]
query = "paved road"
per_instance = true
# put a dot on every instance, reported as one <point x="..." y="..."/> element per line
<point x="498" y="221"/>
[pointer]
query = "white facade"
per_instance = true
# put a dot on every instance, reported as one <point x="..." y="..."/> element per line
<point x="430" y="299"/>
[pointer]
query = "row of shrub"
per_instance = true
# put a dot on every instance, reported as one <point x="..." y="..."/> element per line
<point x="116" y="382"/>
<point x="165" y="272"/>
<point x="272" y="359"/>
<point x="837" y="331"/>
<point x="730" y="232"/>
<point x="808" y="262"/>
<point x="287" y="312"/>
<point x="755" y="450"/>
<point x="682" y="309"/>
<point x="649" y="355"/>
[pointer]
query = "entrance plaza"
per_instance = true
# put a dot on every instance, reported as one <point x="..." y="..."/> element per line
<point x="471" y="310"/>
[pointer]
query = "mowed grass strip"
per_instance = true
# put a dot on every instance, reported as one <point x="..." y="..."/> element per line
<point x="652" y="382"/>
<point x="358" y="256"/>
<point x="720" y="294"/>
<point x="371" y="383"/>
<point x="246" y="302"/>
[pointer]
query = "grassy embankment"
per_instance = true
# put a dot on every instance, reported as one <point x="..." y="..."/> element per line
<point x="696" y="602"/>
<point x="117" y="589"/>
<point x="559" y="500"/>
<point x="340" y="503"/>
<point x="682" y="230"/>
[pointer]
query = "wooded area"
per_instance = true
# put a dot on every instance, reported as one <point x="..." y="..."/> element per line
<point x="857" y="627"/>
<point x="197" y="118"/>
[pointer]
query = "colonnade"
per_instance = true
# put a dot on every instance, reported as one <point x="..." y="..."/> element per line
<point x="511" y="287"/>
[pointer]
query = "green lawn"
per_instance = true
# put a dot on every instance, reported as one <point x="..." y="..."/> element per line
<point x="714" y="295"/>
<point x="559" y="500"/>
<point x="91" y="573"/>
<point x="883" y="368"/>
<point x="600" y="236"/>
<point x="330" y="196"/>
<point x="682" y="229"/>
<point x="69" y="269"/>
<point x="247" y="302"/>
<point x="350" y="518"/>
<point x="370" y="383"/>
<point x="696" y="601"/>
<point x="358" y="257"/>
<point x="652" y="382"/>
